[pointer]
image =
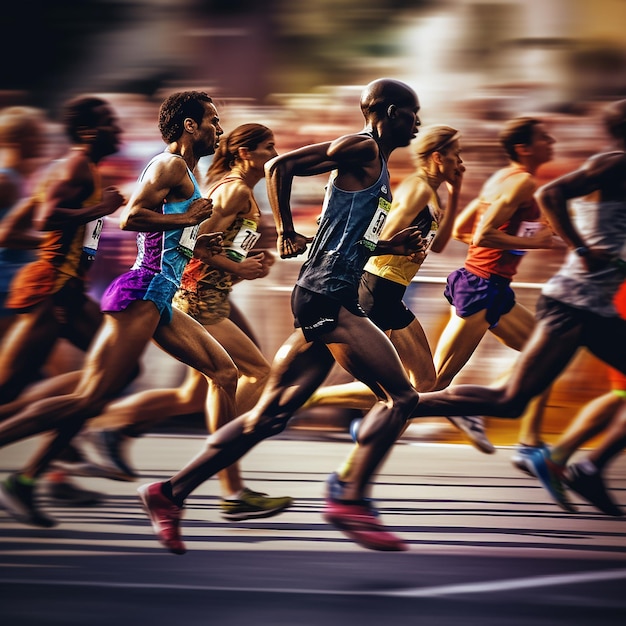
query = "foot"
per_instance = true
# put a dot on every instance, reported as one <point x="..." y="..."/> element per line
<point x="473" y="427"/>
<point x="110" y="447"/>
<point x="88" y="469"/>
<point x="521" y="453"/>
<point x="66" y="493"/>
<point x="359" y="521"/>
<point x="253" y="505"/>
<point x="590" y="486"/>
<point x="17" y="499"/>
<point x="164" y="515"/>
<point x="550" y="475"/>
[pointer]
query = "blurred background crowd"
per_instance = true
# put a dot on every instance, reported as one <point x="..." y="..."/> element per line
<point x="299" y="68"/>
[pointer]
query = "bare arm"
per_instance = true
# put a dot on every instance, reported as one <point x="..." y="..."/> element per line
<point x="596" y="175"/>
<point x="355" y="157"/>
<point x="446" y="225"/>
<point x="514" y="192"/>
<point x="167" y="179"/>
<point x="67" y="188"/>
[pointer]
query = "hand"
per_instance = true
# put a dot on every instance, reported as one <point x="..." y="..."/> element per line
<point x="208" y="245"/>
<point x="292" y="244"/>
<point x="251" y="267"/>
<point x="407" y="242"/>
<point x="544" y="238"/>
<point x="112" y="199"/>
<point x="199" y="210"/>
<point x="268" y="260"/>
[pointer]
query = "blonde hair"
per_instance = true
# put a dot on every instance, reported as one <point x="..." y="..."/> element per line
<point x="434" y="138"/>
<point x="16" y="122"/>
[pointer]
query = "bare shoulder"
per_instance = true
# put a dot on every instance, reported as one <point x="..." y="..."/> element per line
<point x="354" y="146"/>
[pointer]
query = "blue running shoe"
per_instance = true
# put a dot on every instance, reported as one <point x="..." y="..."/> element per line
<point x="550" y="476"/>
<point x="521" y="454"/>
<point x="354" y="428"/>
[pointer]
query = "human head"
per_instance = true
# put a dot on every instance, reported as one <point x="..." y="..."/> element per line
<point x="91" y="120"/>
<point x="615" y="119"/>
<point x="394" y="102"/>
<point x="434" y="138"/>
<point x="176" y="108"/>
<point x="228" y="153"/>
<point x="22" y="128"/>
<point x="516" y="132"/>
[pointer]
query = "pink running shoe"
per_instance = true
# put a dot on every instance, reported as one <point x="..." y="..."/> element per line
<point x="164" y="515"/>
<point x="360" y="523"/>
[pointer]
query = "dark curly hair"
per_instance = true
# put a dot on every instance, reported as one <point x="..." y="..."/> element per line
<point x="176" y="108"/>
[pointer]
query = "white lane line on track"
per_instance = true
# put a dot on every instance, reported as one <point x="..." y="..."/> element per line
<point x="423" y="592"/>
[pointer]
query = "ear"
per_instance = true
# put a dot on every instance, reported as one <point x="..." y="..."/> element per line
<point x="189" y="125"/>
<point x="522" y="149"/>
<point x="243" y="152"/>
<point x="392" y="110"/>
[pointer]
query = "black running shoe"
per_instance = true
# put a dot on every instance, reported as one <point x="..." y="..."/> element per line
<point x="109" y="444"/>
<point x="17" y="499"/>
<point x="591" y="487"/>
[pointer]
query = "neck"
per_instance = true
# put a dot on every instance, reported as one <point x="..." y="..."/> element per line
<point x="183" y="151"/>
<point x="433" y="179"/>
<point x="249" y="176"/>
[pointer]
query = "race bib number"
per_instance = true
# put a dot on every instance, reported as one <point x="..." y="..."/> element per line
<point x="93" y="230"/>
<point x="375" y="228"/>
<point x="243" y="241"/>
<point x="187" y="241"/>
<point x="526" y="229"/>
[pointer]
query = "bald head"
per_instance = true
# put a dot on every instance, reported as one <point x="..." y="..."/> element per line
<point x="379" y="94"/>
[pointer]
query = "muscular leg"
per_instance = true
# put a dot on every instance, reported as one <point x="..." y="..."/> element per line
<point x="456" y="345"/>
<point x="189" y="342"/>
<point x="25" y="349"/>
<point x="253" y="367"/>
<point x="113" y="356"/>
<point x="614" y="440"/>
<point x="542" y="360"/>
<point x="298" y="368"/>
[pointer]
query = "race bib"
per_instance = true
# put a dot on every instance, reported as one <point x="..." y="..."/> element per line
<point x="187" y="241"/>
<point x="526" y="229"/>
<point x="243" y="241"/>
<point x="93" y="230"/>
<point x="375" y="228"/>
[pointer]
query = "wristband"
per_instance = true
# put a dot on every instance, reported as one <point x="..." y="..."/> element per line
<point x="582" y="251"/>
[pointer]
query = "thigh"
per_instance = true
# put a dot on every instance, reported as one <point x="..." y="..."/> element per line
<point x="242" y="350"/>
<point x="189" y="342"/>
<point x="543" y="359"/>
<point x="456" y="345"/>
<point x="515" y="327"/>
<point x="117" y="348"/>
<point x="298" y="369"/>
<point x="413" y="348"/>
<point x="364" y="351"/>
<point x="83" y="324"/>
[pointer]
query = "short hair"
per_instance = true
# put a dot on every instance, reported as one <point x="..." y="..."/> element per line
<point x="16" y="122"/>
<point x="614" y="118"/>
<point x="244" y="136"/>
<point x="176" y="108"/>
<point x="517" y="131"/>
<point x="80" y="112"/>
<point x="434" y="138"/>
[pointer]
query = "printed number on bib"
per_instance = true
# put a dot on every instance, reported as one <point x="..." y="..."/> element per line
<point x="243" y="241"/>
<point x="187" y="241"/>
<point x="375" y="228"/>
<point x="93" y="230"/>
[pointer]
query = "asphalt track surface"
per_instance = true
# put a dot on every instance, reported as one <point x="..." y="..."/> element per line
<point x="487" y="546"/>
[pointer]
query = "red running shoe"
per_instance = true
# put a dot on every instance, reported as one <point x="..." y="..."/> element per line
<point x="359" y="522"/>
<point x="164" y="515"/>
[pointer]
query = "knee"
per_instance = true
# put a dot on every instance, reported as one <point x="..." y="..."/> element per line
<point x="269" y="425"/>
<point x="225" y="378"/>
